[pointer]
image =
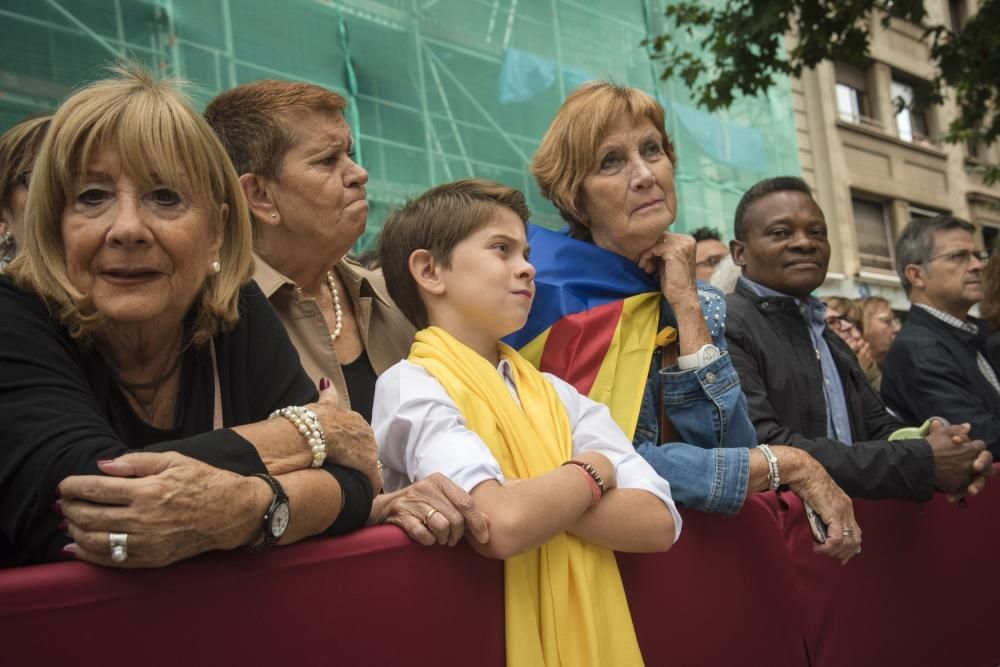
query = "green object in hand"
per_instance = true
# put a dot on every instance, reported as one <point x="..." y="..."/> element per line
<point x="916" y="432"/>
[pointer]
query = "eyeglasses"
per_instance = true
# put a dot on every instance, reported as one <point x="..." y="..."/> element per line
<point x="23" y="179"/>
<point x="840" y="323"/>
<point x="890" y="321"/>
<point x="960" y="256"/>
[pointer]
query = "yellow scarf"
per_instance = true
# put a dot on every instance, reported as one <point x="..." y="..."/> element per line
<point x="564" y="602"/>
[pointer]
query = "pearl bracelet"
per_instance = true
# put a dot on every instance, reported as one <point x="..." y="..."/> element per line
<point x="307" y="422"/>
<point x="773" y="475"/>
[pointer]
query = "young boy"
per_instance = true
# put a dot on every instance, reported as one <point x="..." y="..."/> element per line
<point x="560" y="484"/>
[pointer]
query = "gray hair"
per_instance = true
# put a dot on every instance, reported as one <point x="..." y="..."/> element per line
<point x="916" y="244"/>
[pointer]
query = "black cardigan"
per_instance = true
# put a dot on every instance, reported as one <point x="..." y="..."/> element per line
<point x="931" y="369"/>
<point x="773" y="353"/>
<point x="62" y="411"/>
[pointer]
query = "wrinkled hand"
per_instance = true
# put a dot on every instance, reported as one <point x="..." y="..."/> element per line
<point x="454" y="512"/>
<point x="172" y="507"/>
<point x="961" y="465"/>
<point x="811" y="482"/>
<point x="674" y="258"/>
<point x="350" y="441"/>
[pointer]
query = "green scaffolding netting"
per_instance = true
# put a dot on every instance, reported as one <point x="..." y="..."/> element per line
<point x="439" y="89"/>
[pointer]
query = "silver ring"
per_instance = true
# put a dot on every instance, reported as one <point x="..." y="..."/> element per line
<point x="119" y="546"/>
<point x="847" y="532"/>
<point x="427" y="519"/>
<point x="858" y="550"/>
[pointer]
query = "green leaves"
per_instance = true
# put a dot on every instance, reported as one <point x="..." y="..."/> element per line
<point x="736" y="47"/>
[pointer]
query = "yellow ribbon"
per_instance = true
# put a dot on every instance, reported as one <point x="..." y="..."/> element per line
<point x="564" y="602"/>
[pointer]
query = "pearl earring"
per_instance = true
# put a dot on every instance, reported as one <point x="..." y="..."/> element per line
<point x="216" y="266"/>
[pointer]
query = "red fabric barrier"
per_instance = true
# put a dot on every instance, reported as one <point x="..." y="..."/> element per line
<point x="723" y="595"/>
<point x="920" y="593"/>
<point x="745" y="589"/>
<point x="376" y="598"/>
<point x="370" y="598"/>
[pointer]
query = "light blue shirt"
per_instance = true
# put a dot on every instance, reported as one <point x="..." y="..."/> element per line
<point x="838" y="422"/>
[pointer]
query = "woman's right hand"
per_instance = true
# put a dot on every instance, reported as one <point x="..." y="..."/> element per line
<point x="171" y="507"/>
<point x="673" y="257"/>
<point x="350" y="441"/>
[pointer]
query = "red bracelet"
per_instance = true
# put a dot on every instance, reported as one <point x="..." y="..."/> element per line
<point x="593" y="478"/>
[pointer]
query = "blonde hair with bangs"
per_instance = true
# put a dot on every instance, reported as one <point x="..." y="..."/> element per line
<point x="568" y="152"/>
<point x="160" y="139"/>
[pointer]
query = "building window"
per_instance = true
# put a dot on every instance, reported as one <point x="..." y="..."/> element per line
<point x="874" y="238"/>
<point x="850" y="103"/>
<point x="911" y="124"/>
<point x="852" y="95"/>
<point x="991" y="236"/>
<point x="958" y="12"/>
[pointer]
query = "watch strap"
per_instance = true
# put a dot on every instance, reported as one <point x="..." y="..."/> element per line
<point x="705" y="355"/>
<point x="270" y="539"/>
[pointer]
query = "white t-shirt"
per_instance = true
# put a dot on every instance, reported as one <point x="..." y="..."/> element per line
<point x="420" y="431"/>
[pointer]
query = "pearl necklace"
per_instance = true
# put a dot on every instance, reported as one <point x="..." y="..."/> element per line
<point x="339" y="325"/>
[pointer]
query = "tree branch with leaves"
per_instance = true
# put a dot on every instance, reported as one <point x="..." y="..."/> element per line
<point x="745" y="42"/>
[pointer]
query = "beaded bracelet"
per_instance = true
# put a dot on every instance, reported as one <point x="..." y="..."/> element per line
<point x="307" y="423"/>
<point x="773" y="475"/>
<point x="597" y="490"/>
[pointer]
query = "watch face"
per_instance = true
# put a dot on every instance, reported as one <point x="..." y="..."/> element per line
<point x="711" y="353"/>
<point x="279" y="520"/>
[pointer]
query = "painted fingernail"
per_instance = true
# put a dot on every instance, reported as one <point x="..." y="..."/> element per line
<point x="63" y="527"/>
<point x="103" y="461"/>
<point x="57" y="507"/>
<point x="323" y="384"/>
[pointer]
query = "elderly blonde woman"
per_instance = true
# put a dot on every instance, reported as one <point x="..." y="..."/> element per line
<point x="139" y="365"/>
<point x="295" y="155"/>
<point x="18" y="148"/>
<point x="607" y="164"/>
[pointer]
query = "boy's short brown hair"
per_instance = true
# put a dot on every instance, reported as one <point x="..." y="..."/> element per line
<point x="437" y="221"/>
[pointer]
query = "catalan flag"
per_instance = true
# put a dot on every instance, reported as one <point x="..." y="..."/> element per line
<point x="593" y="322"/>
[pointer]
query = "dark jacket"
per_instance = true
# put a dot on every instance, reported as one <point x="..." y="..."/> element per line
<point x="931" y="369"/>
<point x="780" y="373"/>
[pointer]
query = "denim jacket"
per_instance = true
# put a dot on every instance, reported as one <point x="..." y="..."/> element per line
<point x="709" y="470"/>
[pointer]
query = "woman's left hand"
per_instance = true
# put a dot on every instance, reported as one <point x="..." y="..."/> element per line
<point x="171" y="507"/>
<point x="811" y="482"/>
<point x="673" y="256"/>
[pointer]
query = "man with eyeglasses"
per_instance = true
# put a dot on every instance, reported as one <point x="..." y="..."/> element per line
<point x="803" y="384"/>
<point x="938" y="363"/>
<point x="709" y="252"/>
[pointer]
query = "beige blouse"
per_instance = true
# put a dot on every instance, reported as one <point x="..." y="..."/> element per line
<point x="385" y="331"/>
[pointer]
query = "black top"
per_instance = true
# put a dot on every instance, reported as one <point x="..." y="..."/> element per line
<point x="773" y="353"/>
<point x="931" y="369"/>
<point x="361" y="378"/>
<point x="62" y="411"/>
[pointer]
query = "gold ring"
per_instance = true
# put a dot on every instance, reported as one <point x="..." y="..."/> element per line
<point x="427" y="519"/>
